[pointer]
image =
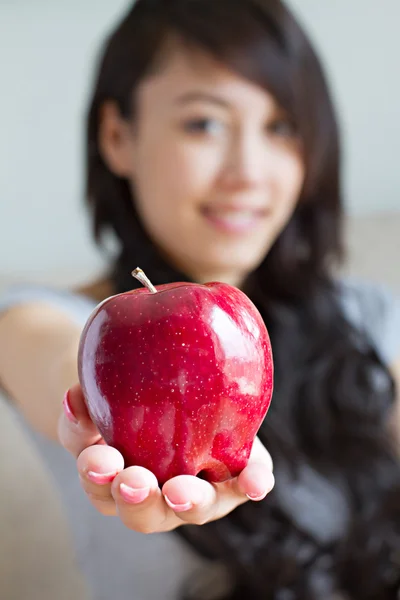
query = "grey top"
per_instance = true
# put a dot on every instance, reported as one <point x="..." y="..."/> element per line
<point x="127" y="565"/>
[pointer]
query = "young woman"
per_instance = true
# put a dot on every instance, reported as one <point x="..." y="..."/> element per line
<point x="213" y="154"/>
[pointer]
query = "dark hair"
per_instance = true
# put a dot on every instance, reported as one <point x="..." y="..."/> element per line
<point x="330" y="523"/>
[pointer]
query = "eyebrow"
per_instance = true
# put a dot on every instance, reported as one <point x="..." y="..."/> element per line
<point x="202" y="97"/>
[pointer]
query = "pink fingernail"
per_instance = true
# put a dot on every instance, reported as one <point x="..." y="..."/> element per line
<point x="257" y="498"/>
<point x="178" y="507"/>
<point x="101" y="478"/>
<point x="132" y="495"/>
<point x="68" y="410"/>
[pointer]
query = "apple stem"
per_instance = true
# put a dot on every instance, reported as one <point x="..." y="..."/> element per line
<point x="142" y="277"/>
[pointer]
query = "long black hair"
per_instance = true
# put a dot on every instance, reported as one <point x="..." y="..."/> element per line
<point x="332" y="522"/>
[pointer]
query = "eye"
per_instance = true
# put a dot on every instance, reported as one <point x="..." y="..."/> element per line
<point x="204" y="126"/>
<point x="282" y="127"/>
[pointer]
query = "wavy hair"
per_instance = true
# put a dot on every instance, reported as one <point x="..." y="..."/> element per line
<point x="332" y="522"/>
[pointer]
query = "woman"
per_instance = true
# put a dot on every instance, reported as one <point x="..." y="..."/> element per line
<point x="213" y="154"/>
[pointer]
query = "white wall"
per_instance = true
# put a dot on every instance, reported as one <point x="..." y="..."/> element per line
<point x="360" y="43"/>
<point x="47" y="48"/>
<point x="46" y="54"/>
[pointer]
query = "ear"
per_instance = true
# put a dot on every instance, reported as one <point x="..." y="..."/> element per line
<point x="115" y="141"/>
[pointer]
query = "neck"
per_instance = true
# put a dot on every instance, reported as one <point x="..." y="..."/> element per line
<point x="232" y="278"/>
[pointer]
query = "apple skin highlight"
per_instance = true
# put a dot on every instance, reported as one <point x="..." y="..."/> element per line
<point x="178" y="379"/>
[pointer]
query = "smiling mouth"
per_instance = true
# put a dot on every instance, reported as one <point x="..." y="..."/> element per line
<point x="234" y="220"/>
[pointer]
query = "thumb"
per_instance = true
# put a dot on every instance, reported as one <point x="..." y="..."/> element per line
<point x="76" y="430"/>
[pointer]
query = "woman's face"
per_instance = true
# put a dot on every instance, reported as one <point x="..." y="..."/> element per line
<point x="214" y="165"/>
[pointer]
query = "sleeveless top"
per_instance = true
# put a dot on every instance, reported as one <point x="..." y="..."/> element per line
<point x="123" y="564"/>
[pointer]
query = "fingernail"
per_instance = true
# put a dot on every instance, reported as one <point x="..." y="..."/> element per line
<point x="68" y="410"/>
<point x="101" y="478"/>
<point x="256" y="498"/>
<point x="178" y="507"/>
<point x="133" y="495"/>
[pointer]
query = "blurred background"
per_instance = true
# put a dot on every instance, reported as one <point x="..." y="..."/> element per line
<point x="48" y="50"/>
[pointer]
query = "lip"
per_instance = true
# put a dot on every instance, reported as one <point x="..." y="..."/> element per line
<point x="234" y="219"/>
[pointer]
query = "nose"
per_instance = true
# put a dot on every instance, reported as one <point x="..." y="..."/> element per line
<point x="246" y="163"/>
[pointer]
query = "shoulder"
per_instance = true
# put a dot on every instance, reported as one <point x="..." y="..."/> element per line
<point x="375" y="309"/>
<point x="96" y="290"/>
<point x="78" y="302"/>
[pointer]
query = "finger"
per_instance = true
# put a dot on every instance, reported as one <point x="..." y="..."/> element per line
<point x="260" y="454"/>
<point x="256" y="480"/>
<point x="254" y="483"/>
<point x="197" y="501"/>
<point x="140" y="503"/>
<point x="76" y="431"/>
<point x="192" y="499"/>
<point x="97" y="467"/>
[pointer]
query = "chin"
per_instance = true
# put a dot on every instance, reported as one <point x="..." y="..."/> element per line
<point x="243" y="259"/>
<point x="236" y="263"/>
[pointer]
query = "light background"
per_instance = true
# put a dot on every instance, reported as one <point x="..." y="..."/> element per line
<point x="47" y="51"/>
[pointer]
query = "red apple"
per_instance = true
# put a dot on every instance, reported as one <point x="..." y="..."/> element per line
<point x="178" y="378"/>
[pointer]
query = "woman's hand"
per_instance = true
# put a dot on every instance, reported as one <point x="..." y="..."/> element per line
<point x="133" y="493"/>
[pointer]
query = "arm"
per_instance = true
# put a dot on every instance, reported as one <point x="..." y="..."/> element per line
<point x="38" y="348"/>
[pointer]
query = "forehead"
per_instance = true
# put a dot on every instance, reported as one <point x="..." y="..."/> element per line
<point x="184" y="69"/>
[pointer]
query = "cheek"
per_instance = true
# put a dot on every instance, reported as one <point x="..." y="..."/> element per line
<point x="169" y="181"/>
<point x="191" y="169"/>
<point x="290" y="181"/>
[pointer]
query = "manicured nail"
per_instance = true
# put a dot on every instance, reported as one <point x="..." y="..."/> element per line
<point x="132" y="495"/>
<point x="101" y="478"/>
<point x="178" y="507"/>
<point x="256" y="498"/>
<point x="68" y="410"/>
